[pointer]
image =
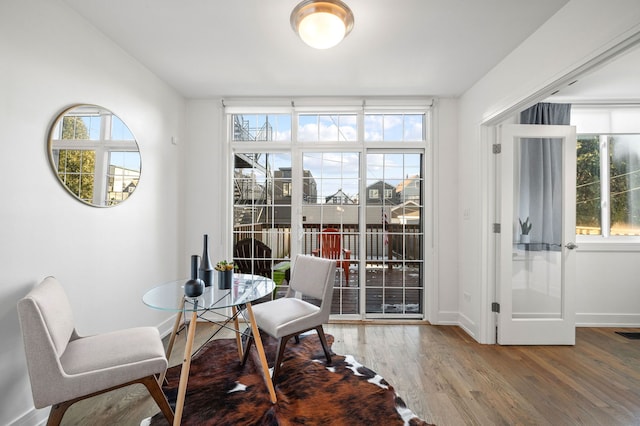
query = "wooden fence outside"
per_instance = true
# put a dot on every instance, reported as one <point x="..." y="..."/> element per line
<point x="397" y="242"/>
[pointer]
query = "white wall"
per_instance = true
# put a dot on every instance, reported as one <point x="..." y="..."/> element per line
<point x="204" y="172"/>
<point x="607" y="286"/>
<point x="580" y="31"/>
<point x="105" y="258"/>
<point x="443" y="298"/>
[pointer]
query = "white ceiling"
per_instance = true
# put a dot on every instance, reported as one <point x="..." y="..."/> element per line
<point x="209" y="48"/>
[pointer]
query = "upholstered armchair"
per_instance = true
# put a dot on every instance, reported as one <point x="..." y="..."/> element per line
<point x="65" y="368"/>
<point x="290" y="316"/>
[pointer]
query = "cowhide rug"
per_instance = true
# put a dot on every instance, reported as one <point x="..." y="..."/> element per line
<point x="222" y="392"/>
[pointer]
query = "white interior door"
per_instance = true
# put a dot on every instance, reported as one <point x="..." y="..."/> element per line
<point x="536" y="242"/>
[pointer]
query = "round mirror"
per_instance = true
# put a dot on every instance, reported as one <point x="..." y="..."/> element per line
<point x="94" y="155"/>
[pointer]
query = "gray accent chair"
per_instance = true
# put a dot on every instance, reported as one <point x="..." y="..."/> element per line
<point x="290" y="316"/>
<point x="65" y="368"/>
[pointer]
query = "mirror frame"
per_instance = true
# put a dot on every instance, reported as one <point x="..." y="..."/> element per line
<point x="119" y="176"/>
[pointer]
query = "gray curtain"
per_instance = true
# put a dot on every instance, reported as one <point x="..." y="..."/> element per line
<point x="541" y="177"/>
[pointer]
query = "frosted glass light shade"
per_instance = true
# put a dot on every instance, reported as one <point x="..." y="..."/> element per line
<point x="322" y="24"/>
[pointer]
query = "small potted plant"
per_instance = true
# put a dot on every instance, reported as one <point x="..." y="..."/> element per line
<point x="225" y="274"/>
<point x="525" y="228"/>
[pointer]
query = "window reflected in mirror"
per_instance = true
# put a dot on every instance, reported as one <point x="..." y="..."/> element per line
<point x="94" y="155"/>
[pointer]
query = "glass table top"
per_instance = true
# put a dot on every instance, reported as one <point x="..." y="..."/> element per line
<point x="244" y="289"/>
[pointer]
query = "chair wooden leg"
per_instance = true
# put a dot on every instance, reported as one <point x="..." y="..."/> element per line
<point x="156" y="392"/>
<point x="57" y="412"/>
<point x="261" y="355"/>
<point x="282" y="343"/>
<point x="150" y="382"/>
<point x="323" y="340"/>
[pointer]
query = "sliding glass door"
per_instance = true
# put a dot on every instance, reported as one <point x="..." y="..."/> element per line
<point x="331" y="220"/>
<point x="349" y="187"/>
<point x="394" y="235"/>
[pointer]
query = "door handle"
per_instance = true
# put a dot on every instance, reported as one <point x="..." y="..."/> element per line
<point x="571" y="246"/>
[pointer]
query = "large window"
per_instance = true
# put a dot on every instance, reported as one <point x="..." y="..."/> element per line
<point x="608" y="170"/>
<point x="346" y="184"/>
<point x="395" y="264"/>
<point x="608" y="185"/>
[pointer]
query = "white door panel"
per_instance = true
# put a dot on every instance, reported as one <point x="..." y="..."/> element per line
<point x="537" y="271"/>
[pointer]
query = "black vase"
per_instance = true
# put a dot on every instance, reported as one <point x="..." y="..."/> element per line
<point x="205" y="272"/>
<point x="194" y="287"/>
<point x="225" y="278"/>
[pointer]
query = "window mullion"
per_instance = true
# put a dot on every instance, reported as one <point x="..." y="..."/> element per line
<point x="362" y="217"/>
<point x="297" y="182"/>
<point x="605" y="185"/>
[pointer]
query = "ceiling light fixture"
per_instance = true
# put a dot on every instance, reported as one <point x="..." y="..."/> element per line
<point x="322" y="24"/>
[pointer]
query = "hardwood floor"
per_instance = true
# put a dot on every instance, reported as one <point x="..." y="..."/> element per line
<point x="447" y="378"/>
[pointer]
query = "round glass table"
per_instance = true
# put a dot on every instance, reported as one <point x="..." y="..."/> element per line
<point x="245" y="288"/>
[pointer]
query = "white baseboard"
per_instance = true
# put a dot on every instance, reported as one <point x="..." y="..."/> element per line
<point x="166" y="326"/>
<point x="468" y="326"/>
<point x="446" y="318"/>
<point x="33" y="417"/>
<point x="607" y="320"/>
